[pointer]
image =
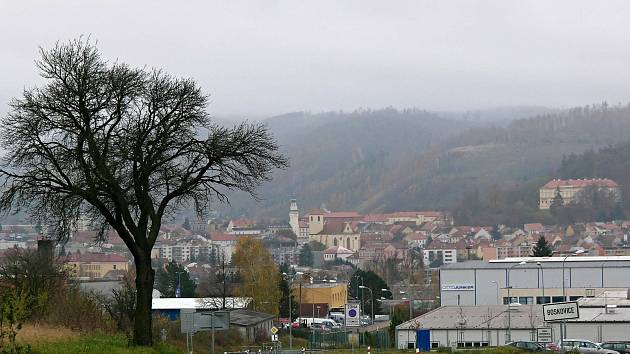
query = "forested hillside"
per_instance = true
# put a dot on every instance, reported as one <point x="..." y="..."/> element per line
<point x="387" y="160"/>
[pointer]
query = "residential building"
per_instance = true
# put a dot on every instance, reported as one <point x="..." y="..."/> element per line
<point x="337" y="252"/>
<point x="285" y="255"/>
<point x="570" y="188"/>
<point x="96" y="265"/>
<point x="444" y="252"/>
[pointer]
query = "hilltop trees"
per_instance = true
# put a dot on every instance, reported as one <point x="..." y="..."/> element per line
<point x="125" y="147"/>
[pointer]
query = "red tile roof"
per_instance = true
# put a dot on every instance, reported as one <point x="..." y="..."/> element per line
<point x="97" y="257"/>
<point x="222" y="237"/>
<point x="90" y="237"/>
<point x="343" y="214"/>
<point x="580" y="183"/>
<point x="533" y="227"/>
<point x="243" y="223"/>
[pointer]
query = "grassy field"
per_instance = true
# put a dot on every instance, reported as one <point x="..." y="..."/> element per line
<point x="96" y="344"/>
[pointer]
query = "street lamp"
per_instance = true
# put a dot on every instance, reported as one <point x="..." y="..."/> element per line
<point x="371" y="297"/>
<point x="497" y="285"/>
<point x="509" y="338"/>
<point x="563" y="325"/>
<point x="542" y="279"/>
<point x="178" y="291"/>
<point x="359" y="287"/>
<point x="290" y="306"/>
<point x="390" y="305"/>
<point x="578" y="252"/>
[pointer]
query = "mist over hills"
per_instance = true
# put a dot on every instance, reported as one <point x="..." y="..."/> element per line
<point x="386" y="160"/>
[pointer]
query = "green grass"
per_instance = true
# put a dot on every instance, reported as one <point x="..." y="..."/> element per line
<point x="96" y="344"/>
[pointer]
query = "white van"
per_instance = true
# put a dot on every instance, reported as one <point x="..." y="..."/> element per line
<point x="319" y="323"/>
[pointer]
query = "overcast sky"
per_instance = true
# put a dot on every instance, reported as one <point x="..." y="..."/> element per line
<point x="259" y="58"/>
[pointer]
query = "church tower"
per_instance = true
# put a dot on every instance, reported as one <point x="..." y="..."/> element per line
<point x="294" y="218"/>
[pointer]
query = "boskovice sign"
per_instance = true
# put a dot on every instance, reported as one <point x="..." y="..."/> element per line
<point x="561" y="311"/>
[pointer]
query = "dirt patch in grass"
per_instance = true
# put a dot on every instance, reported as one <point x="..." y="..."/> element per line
<point x="38" y="333"/>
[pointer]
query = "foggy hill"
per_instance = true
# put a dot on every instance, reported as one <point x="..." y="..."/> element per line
<point x="385" y="160"/>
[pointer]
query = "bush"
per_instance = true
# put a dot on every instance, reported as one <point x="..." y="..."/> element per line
<point x="78" y="310"/>
<point x="14" y="311"/>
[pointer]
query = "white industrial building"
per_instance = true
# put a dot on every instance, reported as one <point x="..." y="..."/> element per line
<point x="602" y="318"/>
<point x="532" y="280"/>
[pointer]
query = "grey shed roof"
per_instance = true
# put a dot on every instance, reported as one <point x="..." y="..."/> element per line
<point x="247" y="318"/>
<point x="478" y="317"/>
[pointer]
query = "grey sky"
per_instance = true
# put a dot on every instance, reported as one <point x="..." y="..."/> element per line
<point x="269" y="57"/>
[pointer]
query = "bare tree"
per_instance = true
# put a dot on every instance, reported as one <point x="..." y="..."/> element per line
<point x="125" y="147"/>
<point x="220" y="283"/>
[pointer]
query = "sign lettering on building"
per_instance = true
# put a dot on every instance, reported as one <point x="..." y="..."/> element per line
<point x="457" y="287"/>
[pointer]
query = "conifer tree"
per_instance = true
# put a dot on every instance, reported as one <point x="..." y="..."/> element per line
<point x="542" y="248"/>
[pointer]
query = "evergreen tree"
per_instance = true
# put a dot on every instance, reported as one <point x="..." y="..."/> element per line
<point x="557" y="202"/>
<point x="168" y="278"/>
<point x="186" y="224"/>
<point x="305" y="258"/>
<point x="542" y="248"/>
<point x="370" y="280"/>
<point x="285" y="290"/>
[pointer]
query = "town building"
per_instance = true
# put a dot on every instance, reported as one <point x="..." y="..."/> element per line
<point x="335" y="295"/>
<point x="570" y="188"/>
<point x="336" y="252"/>
<point x="185" y="249"/>
<point x="531" y="280"/>
<point x="443" y="252"/>
<point x="96" y="265"/>
<point x="285" y="255"/>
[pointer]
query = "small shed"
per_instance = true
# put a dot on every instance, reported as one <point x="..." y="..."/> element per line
<point x="251" y="324"/>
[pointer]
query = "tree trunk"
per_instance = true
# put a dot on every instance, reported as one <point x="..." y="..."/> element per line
<point x="144" y="291"/>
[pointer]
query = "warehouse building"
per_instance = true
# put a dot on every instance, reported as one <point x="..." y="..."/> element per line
<point x="602" y="318"/>
<point x="531" y="280"/>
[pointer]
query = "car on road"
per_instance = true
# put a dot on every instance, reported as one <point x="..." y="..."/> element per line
<point x="623" y="347"/>
<point x="529" y="346"/>
<point x="584" y="346"/>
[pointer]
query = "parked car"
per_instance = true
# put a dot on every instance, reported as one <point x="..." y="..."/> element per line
<point x="622" y="347"/>
<point x="529" y="346"/>
<point x="584" y="346"/>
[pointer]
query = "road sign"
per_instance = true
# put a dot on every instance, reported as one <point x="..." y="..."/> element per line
<point x="274" y="329"/>
<point x="205" y="321"/>
<point x="544" y="334"/>
<point x="353" y="315"/>
<point x="274" y="337"/>
<point x="186" y="317"/>
<point x="192" y="321"/>
<point x="561" y="311"/>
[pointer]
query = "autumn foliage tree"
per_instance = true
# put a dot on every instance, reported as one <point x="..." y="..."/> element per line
<point x="125" y="147"/>
<point x="259" y="275"/>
